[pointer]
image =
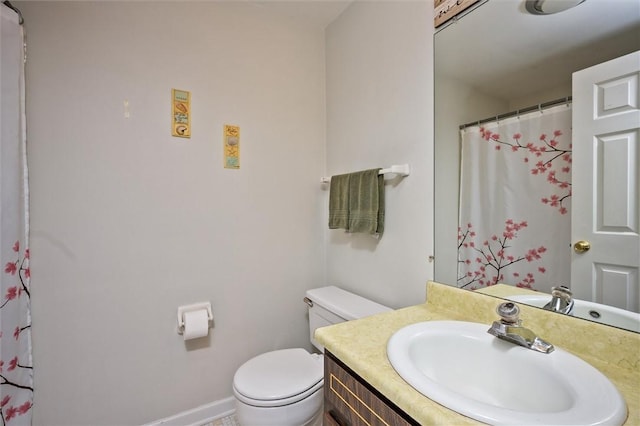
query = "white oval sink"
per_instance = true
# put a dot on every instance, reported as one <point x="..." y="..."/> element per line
<point x="460" y="366"/>
<point x="592" y="311"/>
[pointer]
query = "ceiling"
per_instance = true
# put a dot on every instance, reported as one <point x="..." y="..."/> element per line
<point x="316" y="13"/>
<point x="502" y="50"/>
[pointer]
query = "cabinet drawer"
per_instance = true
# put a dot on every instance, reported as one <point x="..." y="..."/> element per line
<point x="350" y="401"/>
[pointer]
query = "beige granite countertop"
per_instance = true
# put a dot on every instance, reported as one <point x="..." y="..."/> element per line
<point x="361" y="344"/>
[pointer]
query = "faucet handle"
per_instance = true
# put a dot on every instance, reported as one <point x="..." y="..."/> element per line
<point x="562" y="292"/>
<point x="509" y="312"/>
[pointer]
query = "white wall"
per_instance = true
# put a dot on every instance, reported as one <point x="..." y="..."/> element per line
<point x="456" y="103"/>
<point x="550" y="94"/>
<point x="128" y="222"/>
<point x="380" y="112"/>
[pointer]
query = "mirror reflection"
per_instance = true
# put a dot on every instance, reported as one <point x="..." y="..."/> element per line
<point x="507" y="202"/>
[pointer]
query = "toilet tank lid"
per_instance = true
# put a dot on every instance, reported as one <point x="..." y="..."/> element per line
<point x="345" y="304"/>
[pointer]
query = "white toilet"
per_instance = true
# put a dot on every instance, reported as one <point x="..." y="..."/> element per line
<point x="284" y="387"/>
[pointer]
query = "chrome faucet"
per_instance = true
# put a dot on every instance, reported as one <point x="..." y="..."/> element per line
<point x="561" y="300"/>
<point x="509" y="328"/>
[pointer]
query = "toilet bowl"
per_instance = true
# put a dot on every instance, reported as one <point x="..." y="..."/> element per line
<point x="285" y="387"/>
<point x="279" y="388"/>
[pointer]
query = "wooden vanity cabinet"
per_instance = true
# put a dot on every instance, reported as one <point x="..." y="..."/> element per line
<point x="350" y="401"/>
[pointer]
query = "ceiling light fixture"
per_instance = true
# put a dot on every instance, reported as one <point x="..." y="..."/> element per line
<point x="548" y="7"/>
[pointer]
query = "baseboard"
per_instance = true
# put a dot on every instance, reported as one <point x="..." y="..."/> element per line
<point x="199" y="415"/>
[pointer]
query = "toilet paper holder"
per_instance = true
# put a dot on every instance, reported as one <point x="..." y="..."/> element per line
<point x="190" y="308"/>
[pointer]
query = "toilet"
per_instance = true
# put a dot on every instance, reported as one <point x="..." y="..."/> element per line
<point x="285" y="387"/>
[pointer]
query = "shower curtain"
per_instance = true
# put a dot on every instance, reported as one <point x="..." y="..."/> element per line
<point x="16" y="370"/>
<point x="515" y="195"/>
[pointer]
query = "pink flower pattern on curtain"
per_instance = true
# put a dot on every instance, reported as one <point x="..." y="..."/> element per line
<point x="515" y="201"/>
<point x="15" y="362"/>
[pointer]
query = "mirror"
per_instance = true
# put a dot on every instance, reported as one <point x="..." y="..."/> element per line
<point x="498" y="58"/>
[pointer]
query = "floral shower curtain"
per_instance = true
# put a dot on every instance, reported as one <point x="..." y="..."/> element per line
<point x="515" y="194"/>
<point x="16" y="370"/>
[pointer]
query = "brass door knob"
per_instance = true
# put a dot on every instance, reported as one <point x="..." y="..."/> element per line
<point x="582" y="246"/>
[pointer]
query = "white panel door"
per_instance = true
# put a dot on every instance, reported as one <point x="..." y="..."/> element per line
<point x="605" y="189"/>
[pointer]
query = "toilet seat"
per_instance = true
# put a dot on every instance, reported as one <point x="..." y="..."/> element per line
<point x="279" y="378"/>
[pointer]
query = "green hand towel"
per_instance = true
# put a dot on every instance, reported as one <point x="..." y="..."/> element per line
<point x="380" y="228"/>
<point x="339" y="202"/>
<point x="366" y="202"/>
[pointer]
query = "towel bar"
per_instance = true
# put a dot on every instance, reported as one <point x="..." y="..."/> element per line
<point x="399" y="169"/>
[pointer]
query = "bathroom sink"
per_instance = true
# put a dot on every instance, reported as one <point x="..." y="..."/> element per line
<point x="592" y="311"/>
<point x="460" y="366"/>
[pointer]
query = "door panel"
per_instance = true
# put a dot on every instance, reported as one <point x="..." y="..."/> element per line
<point x="620" y="283"/>
<point x="616" y="204"/>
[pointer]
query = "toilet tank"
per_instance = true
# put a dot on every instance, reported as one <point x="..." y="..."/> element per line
<point x="333" y="305"/>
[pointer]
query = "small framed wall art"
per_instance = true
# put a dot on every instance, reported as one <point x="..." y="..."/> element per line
<point x="180" y="113"/>
<point x="231" y="140"/>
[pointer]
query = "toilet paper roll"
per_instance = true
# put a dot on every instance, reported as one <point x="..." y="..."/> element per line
<point x="196" y="324"/>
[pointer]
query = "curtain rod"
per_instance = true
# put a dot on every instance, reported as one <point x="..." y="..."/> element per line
<point x="15" y="9"/>
<point x="567" y="100"/>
